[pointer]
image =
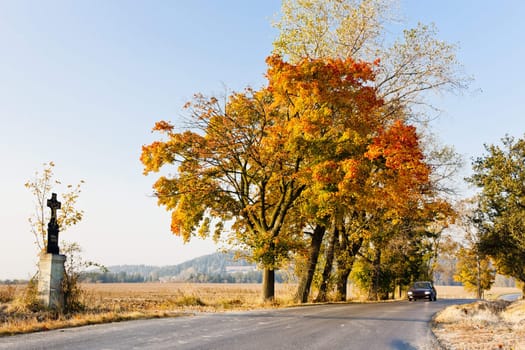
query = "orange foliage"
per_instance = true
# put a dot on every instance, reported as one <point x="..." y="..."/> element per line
<point x="324" y="95"/>
<point x="309" y="135"/>
<point x="399" y="146"/>
<point x="162" y="126"/>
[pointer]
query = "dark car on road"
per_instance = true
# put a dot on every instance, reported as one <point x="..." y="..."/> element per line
<point x="422" y="290"/>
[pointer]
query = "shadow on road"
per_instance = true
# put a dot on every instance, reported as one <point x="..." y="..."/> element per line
<point x="401" y="345"/>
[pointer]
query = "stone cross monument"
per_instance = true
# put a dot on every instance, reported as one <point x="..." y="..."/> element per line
<point x="51" y="265"/>
<point x="52" y="227"/>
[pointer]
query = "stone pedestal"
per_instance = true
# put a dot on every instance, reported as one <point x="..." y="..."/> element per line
<point x="51" y="274"/>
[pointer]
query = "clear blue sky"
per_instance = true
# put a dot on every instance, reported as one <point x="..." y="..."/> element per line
<point x="82" y="83"/>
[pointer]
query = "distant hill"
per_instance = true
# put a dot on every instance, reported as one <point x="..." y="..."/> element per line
<point x="212" y="268"/>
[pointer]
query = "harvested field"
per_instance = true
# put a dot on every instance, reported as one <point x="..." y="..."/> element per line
<point x="188" y="296"/>
<point x="458" y="292"/>
<point x="125" y="301"/>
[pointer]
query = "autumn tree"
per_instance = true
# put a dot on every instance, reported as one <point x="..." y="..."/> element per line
<point x="337" y="114"/>
<point x="409" y="66"/>
<point x="252" y="159"/>
<point x="275" y="161"/>
<point x="228" y="169"/>
<point x="474" y="271"/>
<point x="41" y="187"/>
<point x="447" y="260"/>
<point x="386" y="187"/>
<point x="399" y="204"/>
<point x="500" y="176"/>
<point x="386" y="182"/>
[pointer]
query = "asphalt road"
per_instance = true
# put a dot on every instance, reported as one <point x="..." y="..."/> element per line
<point x="510" y="297"/>
<point x="392" y="325"/>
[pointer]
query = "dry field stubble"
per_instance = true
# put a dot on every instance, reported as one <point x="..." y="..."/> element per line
<point x="182" y="296"/>
<point x="458" y="292"/>
<point x="126" y="301"/>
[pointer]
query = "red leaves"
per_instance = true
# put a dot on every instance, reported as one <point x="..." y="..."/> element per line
<point x="400" y="177"/>
<point x="399" y="146"/>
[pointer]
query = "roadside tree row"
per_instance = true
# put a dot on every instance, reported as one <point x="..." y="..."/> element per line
<point x="324" y="167"/>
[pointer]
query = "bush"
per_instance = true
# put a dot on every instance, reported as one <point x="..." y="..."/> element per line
<point x="72" y="293"/>
<point x="28" y="301"/>
<point x="74" y="265"/>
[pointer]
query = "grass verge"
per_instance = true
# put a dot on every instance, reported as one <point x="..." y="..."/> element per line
<point x="495" y="324"/>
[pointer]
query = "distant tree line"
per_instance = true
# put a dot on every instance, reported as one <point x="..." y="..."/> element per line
<point x="206" y="269"/>
<point x="111" y="277"/>
<point x="195" y="277"/>
<point x="13" y="281"/>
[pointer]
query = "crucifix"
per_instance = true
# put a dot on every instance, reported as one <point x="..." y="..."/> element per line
<point x="52" y="227"/>
<point x="54" y="204"/>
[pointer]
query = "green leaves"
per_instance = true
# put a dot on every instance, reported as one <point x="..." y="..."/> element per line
<point x="500" y="175"/>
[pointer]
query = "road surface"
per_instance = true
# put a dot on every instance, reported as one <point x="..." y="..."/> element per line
<point x="391" y="325"/>
<point x="510" y="297"/>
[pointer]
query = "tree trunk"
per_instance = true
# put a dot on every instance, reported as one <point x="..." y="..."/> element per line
<point x="341" y="282"/>
<point x="268" y="284"/>
<point x="376" y="272"/>
<point x="345" y="263"/>
<point x="343" y="269"/>
<point x="327" y="272"/>
<point x="478" y="277"/>
<point x="305" y="283"/>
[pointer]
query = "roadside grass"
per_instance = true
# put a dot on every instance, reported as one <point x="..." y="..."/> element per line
<point x="494" y="324"/>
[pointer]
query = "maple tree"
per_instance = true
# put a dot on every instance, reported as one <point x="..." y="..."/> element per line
<point x="253" y="158"/>
<point x="387" y="205"/>
<point x="337" y="117"/>
<point x="384" y="184"/>
<point x="229" y="172"/>
<point x="474" y="271"/>
<point x="395" y="199"/>
<point x="409" y="66"/>
<point x="322" y="160"/>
